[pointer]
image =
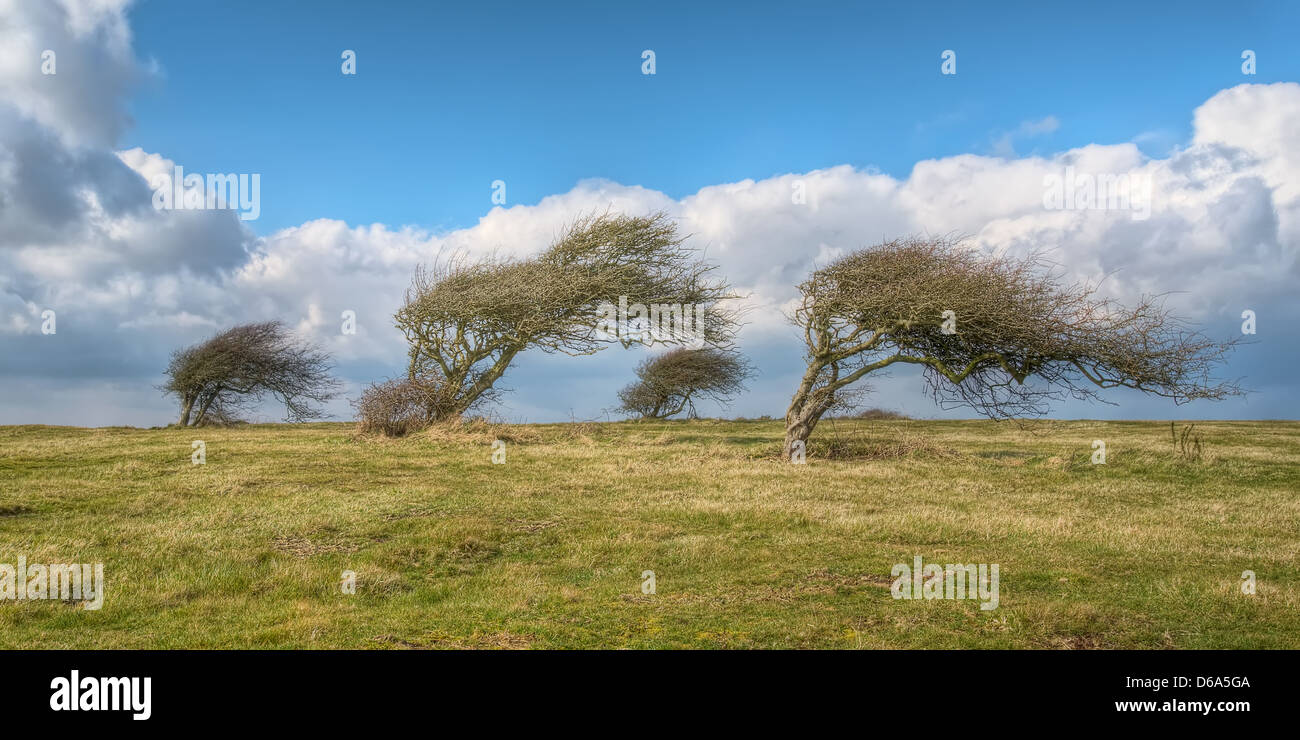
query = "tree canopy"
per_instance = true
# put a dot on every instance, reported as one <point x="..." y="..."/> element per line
<point x="238" y="368"/>
<point x="1001" y="335"/>
<point x="465" y="321"/>
<point x="670" y="383"/>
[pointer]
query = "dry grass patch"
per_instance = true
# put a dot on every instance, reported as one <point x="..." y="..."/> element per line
<point x="547" y="550"/>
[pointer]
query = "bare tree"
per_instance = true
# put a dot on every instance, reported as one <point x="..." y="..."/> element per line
<point x="465" y="321"/>
<point x="236" y="369"/>
<point x="671" y="382"/>
<point x="1000" y="335"/>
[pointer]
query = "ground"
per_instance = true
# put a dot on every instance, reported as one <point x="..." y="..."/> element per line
<point x="548" y="549"/>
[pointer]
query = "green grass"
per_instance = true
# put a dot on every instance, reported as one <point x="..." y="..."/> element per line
<point x="547" y="550"/>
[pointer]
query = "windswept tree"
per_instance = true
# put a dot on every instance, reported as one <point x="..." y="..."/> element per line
<point x="1001" y="335"/>
<point x="672" y="382"/>
<point x="237" y="369"/>
<point x="466" y="321"/>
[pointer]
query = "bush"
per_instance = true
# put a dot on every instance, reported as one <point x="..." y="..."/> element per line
<point x="881" y="415"/>
<point x="394" y="408"/>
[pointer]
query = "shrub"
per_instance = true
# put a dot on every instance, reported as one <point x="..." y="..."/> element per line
<point x="881" y="415"/>
<point x="394" y="407"/>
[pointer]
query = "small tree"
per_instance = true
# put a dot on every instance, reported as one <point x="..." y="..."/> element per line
<point x="999" y="335"/>
<point x="671" y="382"/>
<point x="466" y="321"/>
<point x="236" y="369"/>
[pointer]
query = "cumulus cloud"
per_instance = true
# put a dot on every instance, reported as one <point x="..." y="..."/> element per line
<point x="79" y="235"/>
<point x="84" y="101"/>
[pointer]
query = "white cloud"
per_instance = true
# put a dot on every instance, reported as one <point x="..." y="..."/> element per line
<point x="78" y="232"/>
<point x="84" y="100"/>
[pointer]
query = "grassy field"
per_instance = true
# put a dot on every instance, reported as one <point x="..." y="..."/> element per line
<point x="548" y="549"/>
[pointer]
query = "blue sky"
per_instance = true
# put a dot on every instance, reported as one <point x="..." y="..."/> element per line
<point x="449" y="97"/>
<point x="364" y="177"/>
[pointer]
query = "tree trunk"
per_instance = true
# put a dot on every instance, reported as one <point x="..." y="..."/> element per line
<point x="805" y="411"/>
<point x="471" y="394"/>
<point x="203" y="408"/>
<point x="186" y="406"/>
<point x="799" y="424"/>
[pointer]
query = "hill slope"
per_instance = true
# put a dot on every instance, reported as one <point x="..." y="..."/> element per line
<point x="549" y="548"/>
